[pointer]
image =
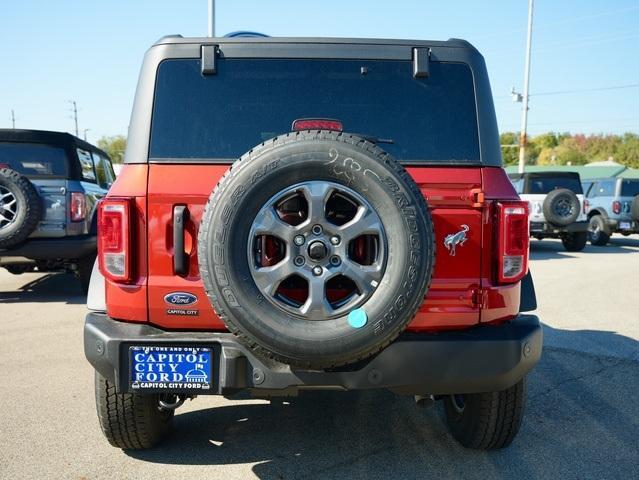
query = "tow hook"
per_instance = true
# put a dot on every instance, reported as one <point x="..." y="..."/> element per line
<point x="172" y="402"/>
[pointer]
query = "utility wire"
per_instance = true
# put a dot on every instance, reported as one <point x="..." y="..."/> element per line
<point x="560" y="22"/>
<point x="607" y="121"/>
<point x="584" y="90"/>
<point x="566" y="44"/>
<point x="588" y="17"/>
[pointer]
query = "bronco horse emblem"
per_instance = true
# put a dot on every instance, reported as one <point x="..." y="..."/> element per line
<point x="452" y="240"/>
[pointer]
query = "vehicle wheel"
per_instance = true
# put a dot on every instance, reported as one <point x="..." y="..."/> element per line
<point x="19" y="269"/>
<point x="20" y="208"/>
<point x="634" y="208"/>
<point x="598" y="231"/>
<point x="297" y="237"/>
<point x="130" y="420"/>
<point x="486" y="421"/>
<point x="561" y="207"/>
<point x="574" y="242"/>
<point x="85" y="267"/>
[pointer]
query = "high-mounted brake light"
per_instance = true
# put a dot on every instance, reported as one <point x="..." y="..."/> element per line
<point x="78" y="207"/>
<point x="616" y="207"/>
<point x="317" y="124"/>
<point x="114" y="238"/>
<point x="514" y="239"/>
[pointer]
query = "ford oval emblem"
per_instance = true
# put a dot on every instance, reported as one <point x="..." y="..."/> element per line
<point x="180" y="298"/>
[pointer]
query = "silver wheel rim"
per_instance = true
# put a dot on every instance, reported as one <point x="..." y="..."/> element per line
<point x="317" y="250"/>
<point x="8" y="207"/>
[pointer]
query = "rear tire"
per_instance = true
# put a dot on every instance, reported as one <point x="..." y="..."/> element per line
<point x="574" y="242"/>
<point x="130" y="420"/>
<point x="19" y="269"/>
<point x="486" y="421"/>
<point x="598" y="231"/>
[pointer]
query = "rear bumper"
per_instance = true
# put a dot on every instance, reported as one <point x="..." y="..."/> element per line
<point x="484" y="358"/>
<point x="544" y="228"/>
<point x="615" y="225"/>
<point x="54" y="248"/>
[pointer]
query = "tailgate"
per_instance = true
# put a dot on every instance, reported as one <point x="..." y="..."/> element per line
<point x="179" y="301"/>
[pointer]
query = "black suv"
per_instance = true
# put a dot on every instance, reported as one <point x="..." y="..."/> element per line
<point x="50" y="183"/>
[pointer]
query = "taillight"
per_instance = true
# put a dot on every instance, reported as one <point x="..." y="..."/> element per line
<point x="514" y="239"/>
<point x="616" y="207"/>
<point x="78" y="207"/>
<point x="114" y="238"/>
<point x="586" y="206"/>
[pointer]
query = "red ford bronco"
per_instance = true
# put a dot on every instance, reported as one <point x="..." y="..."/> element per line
<point x="299" y="214"/>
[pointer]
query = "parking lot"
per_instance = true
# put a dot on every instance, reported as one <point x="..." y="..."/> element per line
<point x="581" y="417"/>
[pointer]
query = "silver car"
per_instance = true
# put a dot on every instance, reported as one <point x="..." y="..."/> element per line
<point x="612" y="206"/>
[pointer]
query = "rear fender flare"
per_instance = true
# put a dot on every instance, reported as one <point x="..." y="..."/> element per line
<point x="96" y="297"/>
<point x="527" y="295"/>
<point x="597" y="211"/>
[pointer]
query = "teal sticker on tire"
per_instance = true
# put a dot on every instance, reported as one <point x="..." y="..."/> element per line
<point x="357" y="318"/>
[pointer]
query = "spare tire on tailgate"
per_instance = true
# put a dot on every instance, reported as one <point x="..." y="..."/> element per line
<point x="561" y="207"/>
<point x="20" y="208"/>
<point x="316" y="249"/>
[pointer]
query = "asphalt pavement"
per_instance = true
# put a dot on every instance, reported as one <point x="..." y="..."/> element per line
<point x="582" y="418"/>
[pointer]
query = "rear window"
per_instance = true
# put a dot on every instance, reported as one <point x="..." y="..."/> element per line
<point x="543" y="185"/>
<point x="518" y="183"/>
<point x="33" y="159"/>
<point x="629" y="188"/>
<point x="248" y="101"/>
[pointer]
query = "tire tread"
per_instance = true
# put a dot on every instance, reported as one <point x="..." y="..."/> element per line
<point x="490" y="420"/>
<point x="128" y="420"/>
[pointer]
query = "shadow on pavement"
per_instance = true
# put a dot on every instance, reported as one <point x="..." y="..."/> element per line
<point x="581" y="422"/>
<point x="52" y="287"/>
<point x="554" y="250"/>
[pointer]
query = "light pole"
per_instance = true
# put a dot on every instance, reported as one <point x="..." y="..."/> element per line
<point x="75" y="115"/>
<point x="211" y="18"/>
<point x="524" y="107"/>
<point x="13" y="119"/>
<point x="85" y="133"/>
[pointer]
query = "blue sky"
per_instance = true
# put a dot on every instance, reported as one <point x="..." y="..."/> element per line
<point x="52" y="51"/>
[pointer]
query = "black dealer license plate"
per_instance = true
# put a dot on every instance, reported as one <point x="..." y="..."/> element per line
<point x="170" y="368"/>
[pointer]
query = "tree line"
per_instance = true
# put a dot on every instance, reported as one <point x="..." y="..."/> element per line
<point x="556" y="148"/>
<point x="114" y="147"/>
<point x="551" y="148"/>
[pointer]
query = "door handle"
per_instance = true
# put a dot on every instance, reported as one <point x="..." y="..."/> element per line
<point x="180" y="258"/>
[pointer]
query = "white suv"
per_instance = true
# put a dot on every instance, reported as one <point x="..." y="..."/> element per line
<point x="556" y="206"/>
